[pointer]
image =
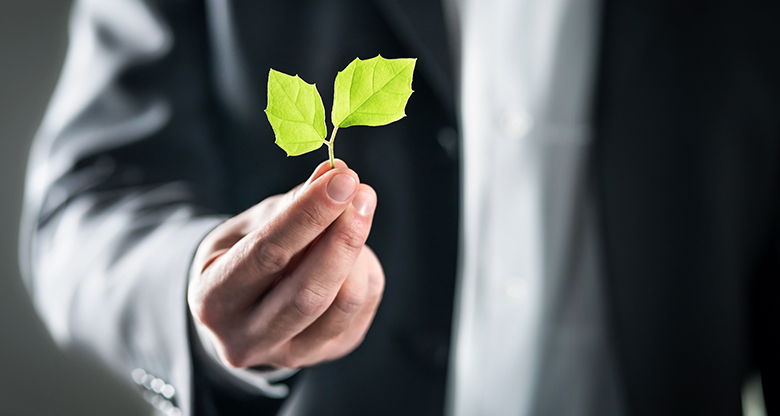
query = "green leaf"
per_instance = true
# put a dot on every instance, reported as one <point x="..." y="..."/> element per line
<point x="296" y="113"/>
<point x="373" y="92"/>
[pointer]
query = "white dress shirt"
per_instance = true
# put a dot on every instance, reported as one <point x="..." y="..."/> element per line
<point x="529" y="330"/>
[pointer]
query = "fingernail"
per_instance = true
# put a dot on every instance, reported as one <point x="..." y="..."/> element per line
<point x="341" y="187"/>
<point x="364" y="203"/>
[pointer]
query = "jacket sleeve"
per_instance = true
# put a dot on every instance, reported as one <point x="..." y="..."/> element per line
<point x="123" y="182"/>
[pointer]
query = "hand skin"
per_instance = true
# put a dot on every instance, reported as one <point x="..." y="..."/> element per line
<point x="290" y="282"/>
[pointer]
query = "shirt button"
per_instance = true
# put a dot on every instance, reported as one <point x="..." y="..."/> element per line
<point x="166" y="407"/>
<point x="157" y="385"/>
<point x="138" y="375"/>
<point x="146" y="381"/>
<point x="516" y="123"/>
<point x="448" y="140"/>
<point x="168" y="391"/>
<point x="516" y="288"/>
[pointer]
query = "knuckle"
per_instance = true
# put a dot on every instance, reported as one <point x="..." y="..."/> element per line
<point x="315" y="215"/>
<point x="310" y="302"/>
<point x="271" y="257"/>
<point x="205" y="315"/>
<point x="352" y="237"/>
<point x="205" y="312"/>
<point x="236" y="356"/>
<point x="347" y="301"/>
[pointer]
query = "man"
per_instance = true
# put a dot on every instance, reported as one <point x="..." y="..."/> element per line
<point x="156" y="136"/>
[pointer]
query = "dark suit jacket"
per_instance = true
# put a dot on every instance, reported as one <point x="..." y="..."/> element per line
<point x="156" y="133"/>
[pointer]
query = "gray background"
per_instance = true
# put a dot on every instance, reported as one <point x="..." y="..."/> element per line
<point x="35" y="377"/>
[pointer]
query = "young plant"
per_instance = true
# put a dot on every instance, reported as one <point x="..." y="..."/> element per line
<point x="373" y="92"/>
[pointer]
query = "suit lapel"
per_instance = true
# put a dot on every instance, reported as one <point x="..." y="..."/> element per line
<point x="420" y="24"/>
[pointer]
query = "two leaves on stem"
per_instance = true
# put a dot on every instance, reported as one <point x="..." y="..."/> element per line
<point x="373" y="92"/>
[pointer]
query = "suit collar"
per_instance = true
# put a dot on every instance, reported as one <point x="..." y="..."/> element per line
<point x="420" y="24"/>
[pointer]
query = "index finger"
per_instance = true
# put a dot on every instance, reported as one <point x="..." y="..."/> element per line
<point x="264" y="254"/>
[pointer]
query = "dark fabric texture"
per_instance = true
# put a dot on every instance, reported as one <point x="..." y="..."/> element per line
<point x="156" y="141"/>
<point x="687" y="146"/>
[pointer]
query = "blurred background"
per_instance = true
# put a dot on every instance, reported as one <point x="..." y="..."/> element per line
<point x="35" y="377"/>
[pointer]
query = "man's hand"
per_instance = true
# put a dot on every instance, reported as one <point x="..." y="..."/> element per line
<point x="290" y="282"/>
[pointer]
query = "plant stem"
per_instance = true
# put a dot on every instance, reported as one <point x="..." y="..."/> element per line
<point x="330" y="147"/>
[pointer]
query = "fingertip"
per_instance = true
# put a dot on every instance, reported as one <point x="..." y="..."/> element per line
<point x="365" y="200"/>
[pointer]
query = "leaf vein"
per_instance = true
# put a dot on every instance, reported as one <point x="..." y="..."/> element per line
<point x="286" y="93"/>
<point x="370" y="97"/>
